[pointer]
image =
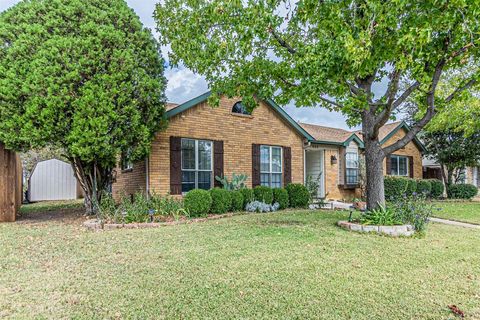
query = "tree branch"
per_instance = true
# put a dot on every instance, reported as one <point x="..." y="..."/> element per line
<point x="282" y="42"/>
<point x="467" y="85"/>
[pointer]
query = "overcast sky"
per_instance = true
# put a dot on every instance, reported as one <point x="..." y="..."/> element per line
<point x="184" y="85"/>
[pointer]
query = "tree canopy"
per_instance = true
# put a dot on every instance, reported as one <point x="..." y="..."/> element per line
<point x="84" y="76"/>
<point x="333" y="54"/>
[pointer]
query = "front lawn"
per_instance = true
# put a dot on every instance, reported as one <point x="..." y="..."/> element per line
<point x="459" y="211"/>
<point x="277" y="265"/>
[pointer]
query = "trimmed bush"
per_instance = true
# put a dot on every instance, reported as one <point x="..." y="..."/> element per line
<point x="248" y="196"/>
<point x="298" y="195"/>
<point x="280" y="195"/>
<point x="263" y="194"/>
<point x="221" y="200"/>
<point x="462" y="191"/>
<point x="411" y="187"/>
<point x="237" y="201"/>
<point x="198" y="202"/>
<point x="395" y="187"/>
<point x="437" y="188"/>
<point x="424" y="187"/>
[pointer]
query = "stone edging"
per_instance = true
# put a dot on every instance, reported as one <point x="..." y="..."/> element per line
<point x="394" y="231"/>
<point x="96" y="225"/>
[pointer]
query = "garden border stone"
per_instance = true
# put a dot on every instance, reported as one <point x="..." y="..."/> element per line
<point x="94" y="224"/>
<point x="394" y="231"/>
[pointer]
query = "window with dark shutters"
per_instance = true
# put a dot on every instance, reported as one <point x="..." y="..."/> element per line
<point x="175" y="165"/>
<point x="287" y="165"/>
<point x="255" y="165"/>
<point x="217" y="162"/>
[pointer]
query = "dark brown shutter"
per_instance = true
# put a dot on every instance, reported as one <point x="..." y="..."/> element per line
<point x="287" y="165"/>
<point x="175" y="165"/>
<point x="410" y="164"/>
<point x="388" y="160"/>
<point x="217" y="162"/>
<point x="255" y="165"/>
<point x="342" y="164"/>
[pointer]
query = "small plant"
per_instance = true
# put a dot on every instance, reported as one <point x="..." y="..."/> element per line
<point x="424" y="187"/>
<point x="236" y="183"/>
<point x="221" y="200"/>
<point x="462" y="191"/>
<point x="382" y="216"/>
<point x="136" y="209"/>
<point x="248" y="196"/>
<point x="258" y="206"/>
<point x="414" y="210"/>
<point x="237" y="201"/>
<point x="280" y="196"/>
<point x="298" y="195"/>
<point x="313" y="184"/>
<point x="168" y="206"/>
<point x="263" y="194"/>
<point x="198" y="202"/>
<point x="108" y="209"/>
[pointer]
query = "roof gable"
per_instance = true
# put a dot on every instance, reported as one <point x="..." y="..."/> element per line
<point x="173" y="111"/>
<point x="406" y="127"/>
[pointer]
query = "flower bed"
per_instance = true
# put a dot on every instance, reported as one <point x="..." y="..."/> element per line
<point x="405" y="230"/>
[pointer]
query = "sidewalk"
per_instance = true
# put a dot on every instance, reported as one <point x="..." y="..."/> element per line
<point x="456" y="223"/>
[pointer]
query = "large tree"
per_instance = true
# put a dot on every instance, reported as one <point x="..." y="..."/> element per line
<point x="330" y="53"/>
<point x="83" y="76"/>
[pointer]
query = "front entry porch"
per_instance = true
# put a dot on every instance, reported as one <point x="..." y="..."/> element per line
<point x="315" y="169"/>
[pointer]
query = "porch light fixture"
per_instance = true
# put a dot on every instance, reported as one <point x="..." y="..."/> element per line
<point x="333" y="160"/>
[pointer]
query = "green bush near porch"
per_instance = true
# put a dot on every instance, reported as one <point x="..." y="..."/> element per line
<point x="263" y="194"/>
<point x="198" y="202"/>
<point x="237" y="201"/>
<point x="424" y="186"/>
<point x="221" y="200"/>
<point x="298" y="195"/>
<point x="280" y="195"/>
<point x="437" y="188"/>
<point x="462" y="191"/>
<point x="248" y="196"/>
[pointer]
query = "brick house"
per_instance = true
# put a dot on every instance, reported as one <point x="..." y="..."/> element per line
<point x="202" y="142"/>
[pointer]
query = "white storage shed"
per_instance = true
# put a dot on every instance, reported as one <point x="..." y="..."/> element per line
<point x="52" y="180"/>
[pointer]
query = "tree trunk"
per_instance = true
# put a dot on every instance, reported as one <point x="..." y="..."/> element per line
<point x="374" y="167"/>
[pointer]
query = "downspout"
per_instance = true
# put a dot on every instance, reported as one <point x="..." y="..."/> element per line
<point x="147" y="176"/>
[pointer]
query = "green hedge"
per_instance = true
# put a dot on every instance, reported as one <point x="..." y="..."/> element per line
<point x="263" y="194"/>
<point x="437" y="188"/>
<point x="298" y="195"/>
<point x="424" y="186"/>
<point x="411" y="187"/>
<point x="248" y="196"/>
<point x="280" y="195"/>
<point x="221" y="200"/>
<point x="462" y="191"/>
<point x="198" y="202"/>
<point x="395" y="187"/>
<point x="237" y="201"/>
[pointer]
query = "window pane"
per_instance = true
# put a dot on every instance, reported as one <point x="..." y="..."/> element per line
<point x="204" y="155"/>
<point x="204" y="180"/>
<point x="402" y="166"/>
<point x="265" y="179"/>
<point x="276" y="180"/>
<point x="394" y="166"/>
<point x="352" y="176"/>
<point x="188" y="180"/>
<point x="352" y="160"/>
<point x="276" y="159"/>
<point x="188" y="154"/>
<point x="264" y="159"/>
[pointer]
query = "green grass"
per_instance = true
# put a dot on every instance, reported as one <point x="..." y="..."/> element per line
<point x="280" y="265"/>
<point x="459" y="211"/>
<point x="41" y="207"/>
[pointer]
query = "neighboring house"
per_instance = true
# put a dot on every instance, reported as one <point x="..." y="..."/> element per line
<point x="202" y="142"/>
<point x="10" y="184"/>
<point x="432" y="169"/>
<point x="52" y="180"/>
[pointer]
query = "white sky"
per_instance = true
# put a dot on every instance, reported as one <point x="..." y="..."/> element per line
<point x="184" y="85"/>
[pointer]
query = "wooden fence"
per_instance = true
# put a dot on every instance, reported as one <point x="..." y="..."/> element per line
<point x="11" y="193"/>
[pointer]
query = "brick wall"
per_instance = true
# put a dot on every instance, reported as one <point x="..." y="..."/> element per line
<point x="410" y="149"/>
<point x="130" y="181"/>
<point x="238" y="132"/>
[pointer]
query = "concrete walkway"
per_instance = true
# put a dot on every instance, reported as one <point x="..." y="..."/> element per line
<point x="456" y="223"/>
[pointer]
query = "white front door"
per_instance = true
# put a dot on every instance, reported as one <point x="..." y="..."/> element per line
<point x="314" y="169"/>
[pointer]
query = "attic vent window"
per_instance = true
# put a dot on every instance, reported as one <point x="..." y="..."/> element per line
<point x="239" y="108"/>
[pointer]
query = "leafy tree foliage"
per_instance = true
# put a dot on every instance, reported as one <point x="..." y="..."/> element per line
<point x="330" y="53"/>
<point x="454" y="151"/>
<point x="83" y="76"/>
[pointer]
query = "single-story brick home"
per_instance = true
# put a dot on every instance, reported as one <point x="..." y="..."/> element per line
<point x="202" y="142"/>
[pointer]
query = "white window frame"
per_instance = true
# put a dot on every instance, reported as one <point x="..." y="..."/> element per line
<point x="197" y="170"/>
<point x="270" y="172"/>
<point x="397" y="174"/>
<point x="357" y="168"/>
